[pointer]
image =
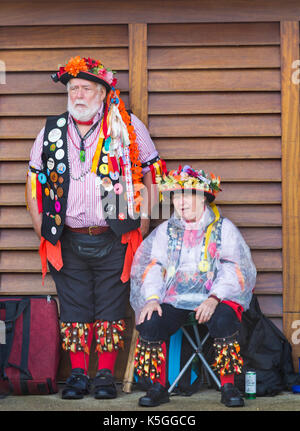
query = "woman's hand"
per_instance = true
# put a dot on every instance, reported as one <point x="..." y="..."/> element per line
<point x="148" y="309"/>
<point x="206" y="310"/>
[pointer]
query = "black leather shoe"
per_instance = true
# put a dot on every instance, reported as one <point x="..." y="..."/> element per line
<point x="231" y="396"/>
<point x="77" y="385"/>
<point x="155" y="396"/>
<point x="104" y="385"/>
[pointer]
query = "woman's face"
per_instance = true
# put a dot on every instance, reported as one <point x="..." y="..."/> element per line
<point x="189" y="206"/>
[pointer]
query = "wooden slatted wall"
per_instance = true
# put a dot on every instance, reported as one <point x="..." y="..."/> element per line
<point x="214" y="102"/>
<point x="214" y="94"/>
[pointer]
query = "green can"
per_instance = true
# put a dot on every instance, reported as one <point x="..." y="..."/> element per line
<point x="250" y="385"/>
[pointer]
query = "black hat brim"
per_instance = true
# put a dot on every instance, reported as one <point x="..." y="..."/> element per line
<point x="66" y="77"/>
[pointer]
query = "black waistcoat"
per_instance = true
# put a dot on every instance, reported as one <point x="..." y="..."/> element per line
<point x="55" y="180"/>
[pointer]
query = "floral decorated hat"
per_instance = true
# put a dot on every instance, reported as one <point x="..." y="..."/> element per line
<point x="85" y="68"/>
<point x="187" y="178"/>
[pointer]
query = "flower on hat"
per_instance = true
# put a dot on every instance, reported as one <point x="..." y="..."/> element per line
<point x="76" y="65"/>
<point x="189" y="178"/>
<point x="106" y="74"/>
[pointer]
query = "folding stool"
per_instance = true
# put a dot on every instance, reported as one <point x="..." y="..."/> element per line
<point x="197" y="346"/>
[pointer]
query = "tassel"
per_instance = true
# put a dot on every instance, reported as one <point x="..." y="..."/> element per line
<point x="33" y="185"/>
<point x="107" y="144"/>
<point x="153" y="174"/>
<point x="39" y="197"/>
<point x="110" y="165"/>
<point x="97" y="155"/>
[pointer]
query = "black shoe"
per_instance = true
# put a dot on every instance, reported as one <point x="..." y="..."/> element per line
<point x="77" y="385"/>
<point x="231" y="396"/>
<point x="104" y="385"/>
<point x="155" y="396"/>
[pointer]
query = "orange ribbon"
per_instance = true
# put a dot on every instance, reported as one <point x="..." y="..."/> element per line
<point x="52" y="253"/>
<point x="133" y="239"/>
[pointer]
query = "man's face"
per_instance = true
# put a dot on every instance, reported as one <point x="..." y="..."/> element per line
<point x="84" y="98"/>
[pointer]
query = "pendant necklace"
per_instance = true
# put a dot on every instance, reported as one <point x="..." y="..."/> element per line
<point x="82" y="154"/>
<point x="84" y="138"/>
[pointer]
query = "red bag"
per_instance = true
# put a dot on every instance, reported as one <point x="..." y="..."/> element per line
<point x="29" y="353"/>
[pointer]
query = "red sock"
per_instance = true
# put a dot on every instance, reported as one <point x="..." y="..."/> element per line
<point x="81" y="359"/>
<point x="107" y="360"/>
<point x="162" y="377"/>
<point x="228" y="378"/>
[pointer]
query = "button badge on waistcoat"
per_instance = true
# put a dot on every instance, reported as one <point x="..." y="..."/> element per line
<point x="59" y="143"/>
<point x="53" y="230"/>
<point x="61" y="122"/>
<point x="50" y="164"/>
<point x="59" y="154"/>
<point x="42" y="178"/>
<point x="61" y="168"/>
<point x="52" y="147"/>
<point x="114" y="175"/>
<point x="60" y="192"/>
<point x="57" y="206"/>
<point x="103" y="169"/>
<point x="107" y="184"/>
<point x="110" y="209"/>
<point x="54" y="135"/>
<point x="53" y="177"/>
<point x="57" y="220"/>
<point x="118" y="188"/>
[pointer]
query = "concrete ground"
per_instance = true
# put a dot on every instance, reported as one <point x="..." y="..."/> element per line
<point x="204" y="400"/>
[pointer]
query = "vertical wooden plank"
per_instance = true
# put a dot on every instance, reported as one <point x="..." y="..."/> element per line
<point x="292" y="332"/>
<point x="138" y="75"/>
<point x="290" y="174"/>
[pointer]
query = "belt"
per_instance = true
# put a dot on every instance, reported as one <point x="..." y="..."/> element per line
<point x="91" y="230"/>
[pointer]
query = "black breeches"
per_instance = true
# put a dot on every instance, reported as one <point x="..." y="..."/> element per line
<point x="223" y="323"/>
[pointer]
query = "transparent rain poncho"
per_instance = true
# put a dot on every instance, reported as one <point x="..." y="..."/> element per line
<point x="169" y="265"/>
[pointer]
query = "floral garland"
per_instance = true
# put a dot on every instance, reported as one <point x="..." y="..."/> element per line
<point x="190" y="178"/>
<point x="136" y="165"/>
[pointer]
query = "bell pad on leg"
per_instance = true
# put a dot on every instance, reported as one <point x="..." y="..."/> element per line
<point x="109" y="335"/>
<point x="75" y="336"/>
<point x="149" y="358"/>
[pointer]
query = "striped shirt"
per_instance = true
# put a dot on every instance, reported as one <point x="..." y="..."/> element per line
<point x="84" y="207"/>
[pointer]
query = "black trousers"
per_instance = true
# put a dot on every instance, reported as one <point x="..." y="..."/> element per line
<point x="89" y="287"/>
<point x="223" y="323"/>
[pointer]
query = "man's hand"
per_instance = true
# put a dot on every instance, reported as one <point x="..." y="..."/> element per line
<point x="148" y="309"/>
<point x="206" y="310"/>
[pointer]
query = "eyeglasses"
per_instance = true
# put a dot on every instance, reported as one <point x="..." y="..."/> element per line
<point x="76" y="89"/>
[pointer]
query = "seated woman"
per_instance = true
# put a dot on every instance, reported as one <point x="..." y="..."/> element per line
<point x="195" y="261"/>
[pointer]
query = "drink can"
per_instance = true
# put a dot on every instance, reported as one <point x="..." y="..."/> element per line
<point x="250" y="385"/>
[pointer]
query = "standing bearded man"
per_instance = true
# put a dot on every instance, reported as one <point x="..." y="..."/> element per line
<point x="87" y="170"/>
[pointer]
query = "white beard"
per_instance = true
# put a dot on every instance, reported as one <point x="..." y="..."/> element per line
<point x="85" y="114"/>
